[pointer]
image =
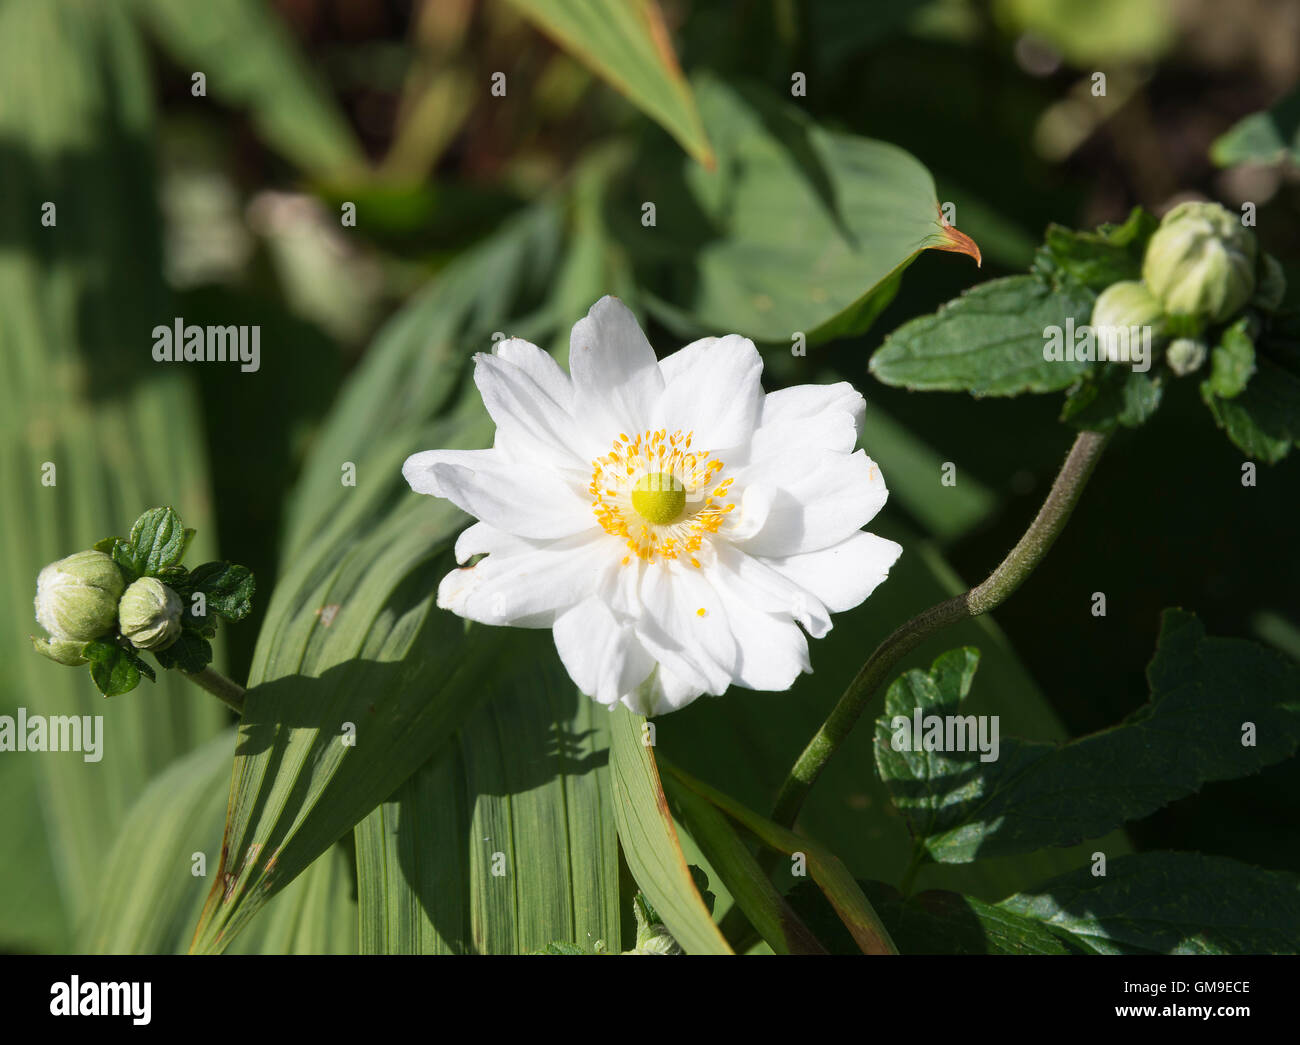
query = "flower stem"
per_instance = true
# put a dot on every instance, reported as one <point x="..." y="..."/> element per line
<point x="1008" y="576"/>
<point x="229" y="693"/>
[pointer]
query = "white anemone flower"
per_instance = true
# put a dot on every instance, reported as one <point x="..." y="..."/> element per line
<point x="672" y="524"/>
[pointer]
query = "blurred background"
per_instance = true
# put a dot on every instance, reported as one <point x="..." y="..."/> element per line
<point x="223" y="206"/>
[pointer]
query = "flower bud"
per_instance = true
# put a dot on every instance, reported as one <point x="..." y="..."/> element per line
<point x="1201" y="261"/>
<point x="150" y="614"/>
<point x="1186" y="355"/>
<point x="1122" y="313"/>
<point x="76" y="597"/>
<point x="63" y="651"/>
<point x="1270" y="284"/>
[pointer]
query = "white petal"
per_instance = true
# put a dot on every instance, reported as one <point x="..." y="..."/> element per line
<point x="712" y="387"/>
<point x="534" y="415"/>
<point x="773" y="652"/>
<point x="743" y="578"/>
<point x="602" y="656"/>
<point x="695" y="646"/>
<point x="616" y="378"/>
<point x="843" y="575"/>
<point x="530" y="585"/>
<point x="667" y="692"/>
<point x="525" y="500"/>
<point x="821" y="498"/>
<point x="802" y="406"/>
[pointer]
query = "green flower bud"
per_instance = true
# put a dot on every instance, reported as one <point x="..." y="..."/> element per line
<point x="150" y="614"/>
<point x="76" y="597"/>
<point x="1122" y="313"/>
<point x="1186" y="355"/>
<point x="1201" y="261"/>
<point x="1270" y="284"/>
<point x="63" y="651"/>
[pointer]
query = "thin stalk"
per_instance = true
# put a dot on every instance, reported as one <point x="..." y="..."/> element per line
<point x="879" y="667"/>
<point x="228" y="692"/>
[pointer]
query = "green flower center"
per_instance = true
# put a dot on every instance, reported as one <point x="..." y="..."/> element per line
<point x="659" y="498"/>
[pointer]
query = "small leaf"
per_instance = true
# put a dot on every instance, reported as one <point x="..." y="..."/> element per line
<point x="157" y="539"/>
<point x="113" y="670"/>
<point x="1095" y="260"/>
<point x="1232" y="363"/>
<point x="1263" y="419"/>
<point x="107" y="544"/>
<point x="191" y="653"/>
<point x="989" y="341"/>
<point x="1263" y="137"/>
<point x="1119" y="396"/>
<point x="227" y="588"/>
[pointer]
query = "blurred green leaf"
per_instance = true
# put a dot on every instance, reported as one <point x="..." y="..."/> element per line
<point x="1118" y="395"/>
<point x="1204" y="692"/>
<point x="1263" y="137"/>
<point x="502" y="842"/>
<point x="91" y="430"/>
<point x="249" y="60"/>
<point x="799" y="230"/>
<point x="1171" y="903"/>
<point x="1263" y="419"/>
<point x="649" y="839"/>
<point x="989" y="341"/>
<point x="627" y="43"/>
<point x="1095" y="260"/>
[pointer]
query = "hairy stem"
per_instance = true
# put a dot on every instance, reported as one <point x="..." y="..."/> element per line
<point x="229" y="693"/>
<point x="1008" y="576"/>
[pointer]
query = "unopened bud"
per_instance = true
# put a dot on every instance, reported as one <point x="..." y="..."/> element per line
<point x="1186" y="355"/>
<point x="76" y="597"/>
<point x="1120" y="317"/>
<point x="150" y="614"/>
<point x="1201" y="262"/>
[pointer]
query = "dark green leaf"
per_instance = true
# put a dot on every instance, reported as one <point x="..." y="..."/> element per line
<point x="1263" y="420"/>
<point x="1095" y="260"/>
<point x="1120" y="395"/>
<point x="1171" y="903"/>
<point x="989" y="341"/>
<point x="191" y="652"/>
<point x="1232" y="363"/>
<point x="1219" y="709"/>
<point x="157" y="540"/>
<point x="1262" y="137"/>
<point x="112" y="668"/>
<point x="227" y="588"/>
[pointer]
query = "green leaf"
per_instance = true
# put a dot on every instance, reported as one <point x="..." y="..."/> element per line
<point x="227" y="588"/>
<point x="251" y="61"/>
<point x="1095" y="260"/>
<point x="766" y="909"/>
<point x="1263" y="137"/>
<point x="1119" y="396"/>
<point x="627" y="43"/>
<point x="113" y="670"/>
<point x="191" y="652"/>
<point x="989" y="341"/>
<point x="157" y="541"/>
<point x="800" y="230"/>
<point x="1232" y="363"/>
<point x="1263" y="419"/>
<point x="1171" y="903"/>
<point x="649" y="839"/>
<point x="826" y="869"/>
<point x="1204" y="692"/>
<point x="124" y="434"/>
<point x="502" y="841"/>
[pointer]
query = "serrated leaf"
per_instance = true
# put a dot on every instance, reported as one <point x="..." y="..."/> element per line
<point x="1119" y="395"/>
<point x="1263" y="420"/>
<point x="157" y="540"/>
<point x="627" y="43"/>
<point x="227" y="588"/>
<point x="1095" y="260"/>
<point x="113" y="670"/>
<point x="191" y="653"/>
<point x="1171" y="903"/>
<point x="649" y="839"/>
<point x="1232" y="363"/>
<point x="989" y="341"/>
<point x="1203" y="690"/>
